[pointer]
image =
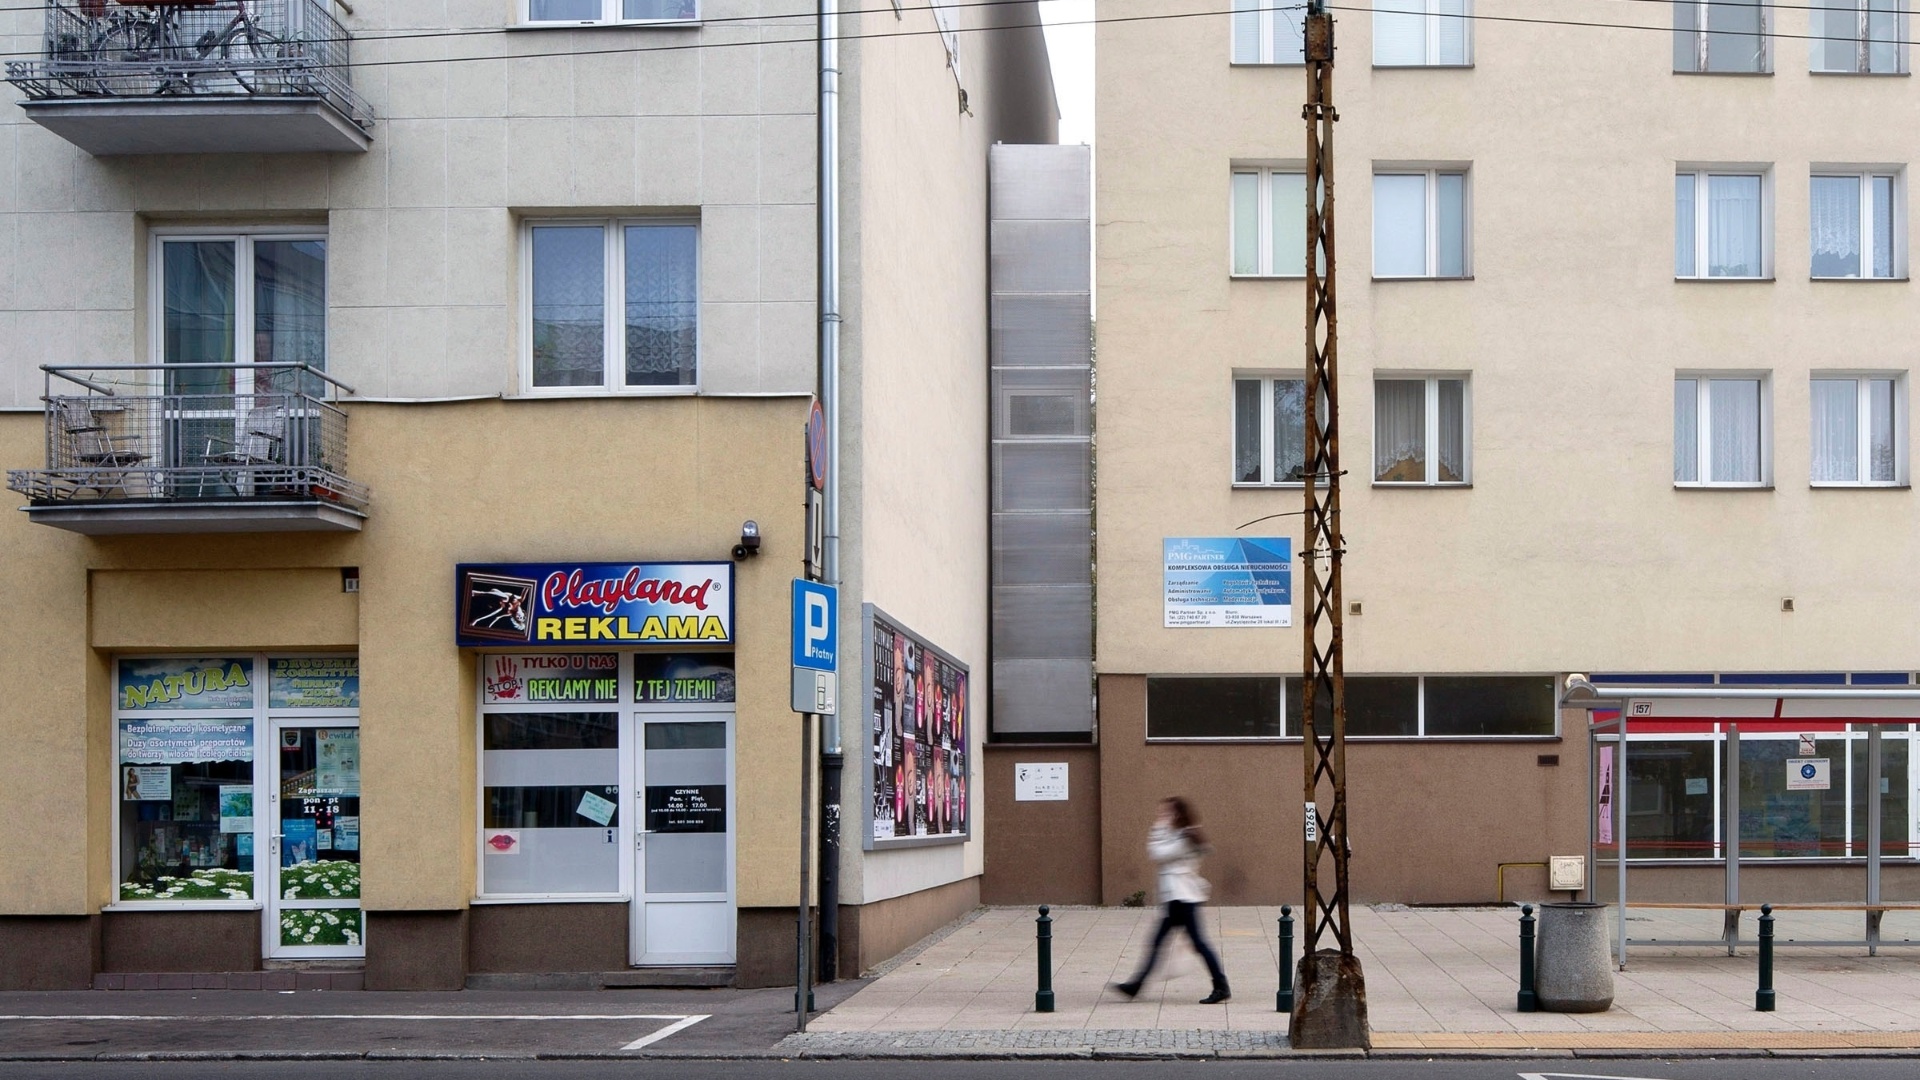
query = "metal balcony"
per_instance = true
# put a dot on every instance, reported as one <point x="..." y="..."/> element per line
<point x="206" y="77"/>
<point x="193" y="448"/>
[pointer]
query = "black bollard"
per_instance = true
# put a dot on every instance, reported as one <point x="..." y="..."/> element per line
<point x="1283" y="998"/>
<point x="1763" y="998"/>
<point x="1529" y="1001"/>
<point x="1043" y="997"/>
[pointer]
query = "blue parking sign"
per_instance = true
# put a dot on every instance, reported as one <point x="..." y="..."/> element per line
<point x="816" y="625"/>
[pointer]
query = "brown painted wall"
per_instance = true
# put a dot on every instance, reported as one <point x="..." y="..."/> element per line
<point x="1042" y="852"/>
<point x="49" y="952"/>
<point x="547" y="937"/>
<point x="178" y="941"/>
<point x="1430" y="820"/>
<point x="872" y="934"/>
<point x="417" y="950"/>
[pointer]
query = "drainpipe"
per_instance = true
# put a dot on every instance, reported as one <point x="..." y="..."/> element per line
<point x="827" y="195"/>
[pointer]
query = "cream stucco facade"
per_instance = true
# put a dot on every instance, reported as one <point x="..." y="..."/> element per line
<point x="1570" y="548"/>
<point x="484" y="126"/>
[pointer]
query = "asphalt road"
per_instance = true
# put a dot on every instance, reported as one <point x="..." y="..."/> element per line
<point x="1441" y="1069"/>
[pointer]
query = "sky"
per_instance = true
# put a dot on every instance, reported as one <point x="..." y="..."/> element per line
<point x="1071" y="49"/>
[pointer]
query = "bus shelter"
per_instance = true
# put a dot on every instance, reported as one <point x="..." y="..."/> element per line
<point x="1807" y="712"/>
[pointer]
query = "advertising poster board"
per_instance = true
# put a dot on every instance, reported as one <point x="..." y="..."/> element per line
<point x="919" y="723"/>
<point x="1227" y="581"/>
<point x="571" y="605"/>
<point x="177" y="683"/>
<point x="313" y="682"/>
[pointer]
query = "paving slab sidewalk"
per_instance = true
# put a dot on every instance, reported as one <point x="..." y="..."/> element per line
<point x="1438" y="980"/>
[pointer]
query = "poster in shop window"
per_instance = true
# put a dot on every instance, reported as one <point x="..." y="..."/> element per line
<point x="919" y="724"/>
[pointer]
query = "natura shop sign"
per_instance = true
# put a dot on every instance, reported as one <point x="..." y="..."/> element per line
<point x="561" y="605"/>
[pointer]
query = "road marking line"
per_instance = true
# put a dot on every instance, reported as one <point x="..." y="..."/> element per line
<point x="1577" y="1076"/>
<point x="647" y="1040"/>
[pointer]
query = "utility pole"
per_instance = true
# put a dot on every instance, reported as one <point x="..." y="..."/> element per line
<point x="1330" y="1009"/>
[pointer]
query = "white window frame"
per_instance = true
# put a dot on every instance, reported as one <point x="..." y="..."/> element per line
<point x="1862" y="401"/>
<point x="1863" y="47"/>
<point x="1265" y="13"/>
<point x="1865" y="175"/>
<point x="1266" y="379"/>
<point x="1264" y="228"/>
<point x="614" y="349"/>
<point x="243" y="240"/>
<point x="610" y="15"/>
<point x="1432" y="241"/>
<point x="1433" y="17"/>
<point x="1703" y="429"/>
<point x="1702" y="178"/>
<point x="1702" y="8"/>
<point x="1433" y="380"/>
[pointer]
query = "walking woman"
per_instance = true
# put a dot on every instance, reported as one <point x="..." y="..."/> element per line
<point x="1176" y="845"/>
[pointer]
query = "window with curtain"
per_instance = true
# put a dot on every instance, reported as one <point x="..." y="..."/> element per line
<point x="1719" y="225"/>
<point x="1269" y="31"/>
<point x="1269" y="430"/>
<point x="1855" y="430"/>
<point x="1721" y="36"/>
<point x="1421" y="33"/>
<point x="1850" y="223"/>
<point x="1858" y="37"/>
<point x="1420" y="431"/>
<point x="1420" y="224"/>
<point x="1719" y="431"/>
<point x="613" y="305"/>
<point x="610" y="11"/>
<point x="1269" y="223"/>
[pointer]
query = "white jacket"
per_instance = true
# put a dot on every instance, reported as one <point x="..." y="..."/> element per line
<point x="1179" y="861"/>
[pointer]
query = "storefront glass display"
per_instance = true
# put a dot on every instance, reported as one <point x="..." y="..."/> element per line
<point x="318" y="888"/>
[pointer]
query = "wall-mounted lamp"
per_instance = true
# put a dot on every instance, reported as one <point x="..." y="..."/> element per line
<point x="749" y="544"/>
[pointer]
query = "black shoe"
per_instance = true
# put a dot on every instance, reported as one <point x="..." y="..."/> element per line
<point x="1220" y="994"/>
<point x="1131" y="988"/>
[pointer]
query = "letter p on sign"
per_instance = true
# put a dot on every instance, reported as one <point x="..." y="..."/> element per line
<point x="816" y="631"/>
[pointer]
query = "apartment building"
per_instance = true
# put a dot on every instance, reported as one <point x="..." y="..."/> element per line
<point x="406" y="405"/>
<point x="1626" y="350"/>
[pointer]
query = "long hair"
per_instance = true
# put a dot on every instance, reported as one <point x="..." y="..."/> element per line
<point x="1184" y="819"/>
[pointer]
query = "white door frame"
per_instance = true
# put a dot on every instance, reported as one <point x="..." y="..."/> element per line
<point x="635" y="739"/>
<point x="271" y="948"/>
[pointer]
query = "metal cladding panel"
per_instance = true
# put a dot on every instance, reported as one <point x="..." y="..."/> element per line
<point x="1041" y="256"/>
<point x="1042" y="388"/>
<point x="1042" y="329"/>
<point x="1043" y="622"/>
<point x="1043" y="549"/>
<point x="1038" y="697"/>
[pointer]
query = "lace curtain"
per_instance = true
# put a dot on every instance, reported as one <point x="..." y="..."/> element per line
<point x="1836" y="430"/>
<point x="1833" y="214"/>
<point x="1400" y="430"/>
<point x="1733" y="226"/>
<point x="1734" y="441"/>
<point x="1246" y="431"/>
<point x="569" y="305"/>
<point x="662" y="302"/>
<point x="1686" y="431"/>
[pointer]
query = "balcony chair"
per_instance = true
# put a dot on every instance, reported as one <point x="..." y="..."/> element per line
<point x="262" y="442"/>
<point x="99" y="458"/>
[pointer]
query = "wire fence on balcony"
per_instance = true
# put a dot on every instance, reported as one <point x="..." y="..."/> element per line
<point x="267" y="48"/>
<point x="200" y="432"/>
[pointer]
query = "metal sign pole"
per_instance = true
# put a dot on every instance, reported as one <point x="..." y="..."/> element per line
<point x="802" y="983"/>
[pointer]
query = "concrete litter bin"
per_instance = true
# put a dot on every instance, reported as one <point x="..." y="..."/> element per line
<point x="1573" y="970"/>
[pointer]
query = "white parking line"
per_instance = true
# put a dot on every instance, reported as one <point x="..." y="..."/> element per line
<point x="680" y="1022"/>
<point x="1578" y="1076"/>
<point x="647" y="1040"/>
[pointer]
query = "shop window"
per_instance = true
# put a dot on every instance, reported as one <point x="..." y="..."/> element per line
<point x="1213" y="708"/>
<point x="552" y="796"/>
<point x="1380" y="706"/>
<point x="1489" y="705"/>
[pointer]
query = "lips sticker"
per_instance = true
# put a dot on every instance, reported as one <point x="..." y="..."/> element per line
<point x="504" y="842"/>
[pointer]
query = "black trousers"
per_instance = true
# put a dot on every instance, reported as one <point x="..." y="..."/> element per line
<point x="1181" y="915"/>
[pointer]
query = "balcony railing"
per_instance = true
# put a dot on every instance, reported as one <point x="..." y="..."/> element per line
<point x="193" y="448"/>
<point x="168" y="55"/>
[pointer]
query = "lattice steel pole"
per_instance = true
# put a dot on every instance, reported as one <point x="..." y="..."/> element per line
<point x="1330" y="1008"/>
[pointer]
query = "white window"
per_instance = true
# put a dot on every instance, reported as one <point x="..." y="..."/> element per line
<point x="1420" y="224"/>
<point x="252" y="298"/>
<point x="1420" y="430"/>
<point x="1721" y="36"/>
<point x="1851" y="220"/>
<point x="1269" y="223"/>
<point x="1862" y="37"/>
<point x="1722" y="433"/>
<point x="576" y="12"/>
<point x="1421" y="33"/>
<point x="1720" y="224"/>
<point x="1858" y="430"/>
<point x="611" y="305"/>
<point x="1269" y="429"/>
<point x="1269" y="32"/>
